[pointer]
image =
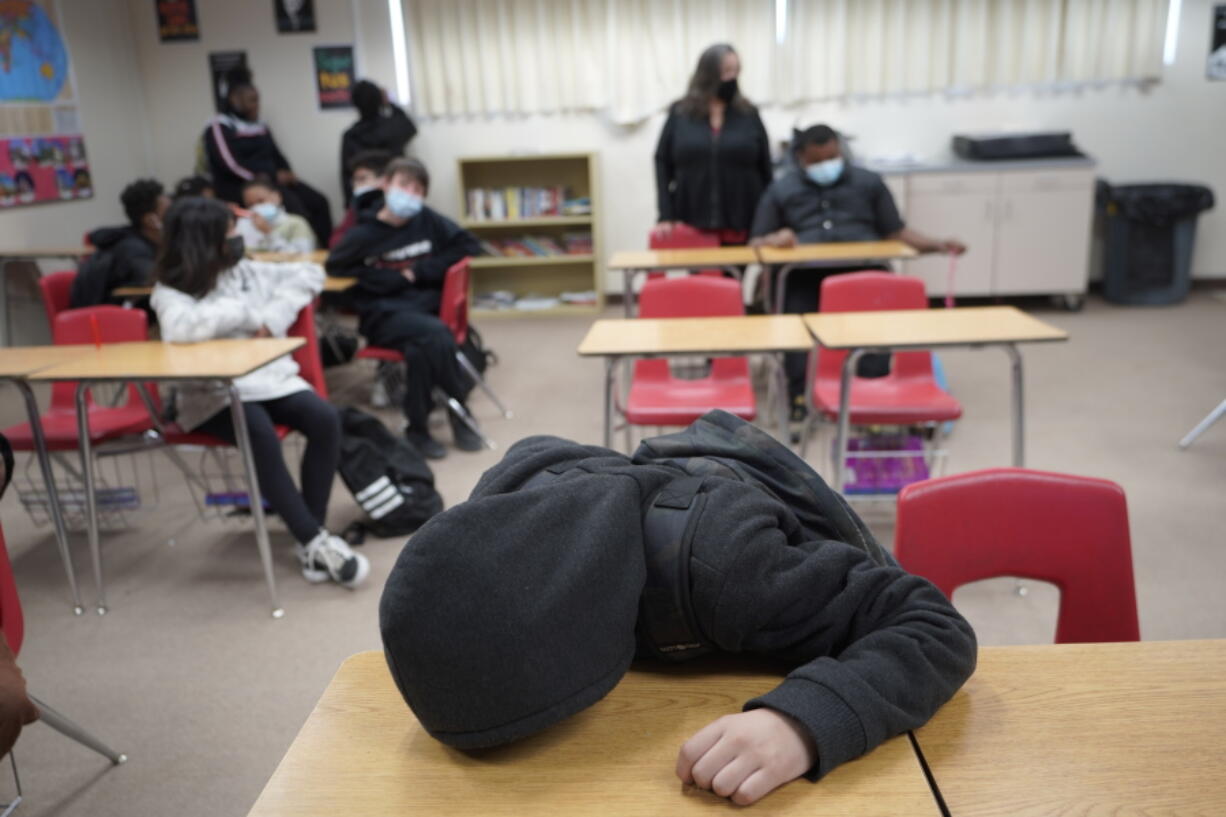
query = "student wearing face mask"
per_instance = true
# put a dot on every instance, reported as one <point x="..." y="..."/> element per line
<point x="206" y="290"/>
<point x="713" y="158"/>
<point x="365" y="186"/>
<point x="125" y="255"/>
<point x="826" y="199"/>
<point x="269" y="228"/>
<point x="400" y="253"/>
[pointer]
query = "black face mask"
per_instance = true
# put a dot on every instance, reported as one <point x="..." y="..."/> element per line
<point x="234" y="249"/>
<point x="726" y="90"/>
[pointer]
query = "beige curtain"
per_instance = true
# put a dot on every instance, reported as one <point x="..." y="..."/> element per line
<point x="629" y="58"/>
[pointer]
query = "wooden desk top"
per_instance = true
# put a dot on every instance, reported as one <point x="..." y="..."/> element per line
<point x="331" y="284"/>
<point x="664" y="336"/>
<point x="1122" y="729"/>
<point x="837" y="251"/>
<point x="22" y="361"/>
<point x="926" y="328"/>
<point x="156" y="360"/>
<point x="315" y="256"/>
<point x="47" y="252"/>
<point x="615" y="758"/>
<point x="683" y="259"/>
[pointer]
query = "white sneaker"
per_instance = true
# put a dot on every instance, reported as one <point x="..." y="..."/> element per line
<point x="330" y="557"/>
<point x="378" y="395"/>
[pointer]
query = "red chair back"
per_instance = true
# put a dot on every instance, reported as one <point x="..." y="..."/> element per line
<point x="310" y="364"/>
<point x="693" y="296"/>
<point x="453" y="307"/>
<point x="870" y="292"/>
<point x="1067" y="530"/>
<point x="57" y="293"/>
<point x="11" y="619"/>
<point x="683" y="237"/>
<point x="101" y="324"/>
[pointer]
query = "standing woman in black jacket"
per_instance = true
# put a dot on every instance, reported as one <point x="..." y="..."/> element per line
<point x="713" y="159"/>
<point x="380" y="126"/>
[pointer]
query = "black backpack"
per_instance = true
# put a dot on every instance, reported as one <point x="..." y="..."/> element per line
<point x="388" y="478"/>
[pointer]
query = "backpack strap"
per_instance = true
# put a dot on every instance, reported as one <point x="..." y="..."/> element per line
<point x="666" y="620"/>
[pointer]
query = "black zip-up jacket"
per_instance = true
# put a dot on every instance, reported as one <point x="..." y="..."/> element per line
<point x="238" y="152"/>
<point x="123" y="258"/>
<point x="712" y="181"/>
<point x="518" y="608"/>
<point x="391" y="131"/>
<point x="376" y="253"/>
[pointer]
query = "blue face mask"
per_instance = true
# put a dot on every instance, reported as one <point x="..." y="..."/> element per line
<point x="402" y="204"/>
<point x="826" y="173"/>
<point x="268" y="211"/>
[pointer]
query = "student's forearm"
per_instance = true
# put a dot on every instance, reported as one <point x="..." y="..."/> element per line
<point x="917" y="240"/>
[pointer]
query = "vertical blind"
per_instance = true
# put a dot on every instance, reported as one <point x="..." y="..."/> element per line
<point x="628" y="59"/>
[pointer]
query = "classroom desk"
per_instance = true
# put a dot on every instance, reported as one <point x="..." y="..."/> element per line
<point x="841" y="254"/>
<point x="17" y="364"/>
<point x="616" y="758"/>
<point x="861" y="332"/>
<point x="314" y="256"/>
<point x="12" y="256"/>
<point x="331" y="284"/>
<point x="662" y="337"/>
<point x="155" y="361"/>
<point x="1126" y="729"/>
<point x="630" y="263"/>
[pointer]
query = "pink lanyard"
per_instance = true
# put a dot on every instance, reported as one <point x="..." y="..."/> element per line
<point x="949" y="281"/>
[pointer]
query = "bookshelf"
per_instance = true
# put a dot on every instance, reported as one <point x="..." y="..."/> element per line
<point x="523" y="203"/>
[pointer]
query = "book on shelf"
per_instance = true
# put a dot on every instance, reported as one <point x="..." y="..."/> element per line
<point x="542" y="246"/>
<point x="511" y="203"/>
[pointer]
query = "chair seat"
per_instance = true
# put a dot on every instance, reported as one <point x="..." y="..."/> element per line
<point x="675" y="402"/>
<point x="379" y="353"/>
<point x="889" y="401"/>
<point x="60" y="427"/>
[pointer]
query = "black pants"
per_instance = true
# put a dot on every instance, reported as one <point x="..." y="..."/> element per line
<point x="305" y="411"/>
<point x="802" y="295"/>
<point x="303" y="200"/>
<point x="429" y="355"/>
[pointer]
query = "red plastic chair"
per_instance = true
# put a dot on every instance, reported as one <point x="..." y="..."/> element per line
<point x="77" y="326"/>
<point x="683" y="237"/>
<point x="57" y="293"/>
<point x="656" y="396"/>
<point x="1068" y="530"/>
<point x="12" y="620"/>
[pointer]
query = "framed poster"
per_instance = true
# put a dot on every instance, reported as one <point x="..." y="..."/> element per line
<point x="334" y="75"/>
<point x="220" y="62"/>
<point x="1217" y="45"/>
<point x="177" y="20"/>
<point x="42" y="151"/>
<point x="294" y="16"/>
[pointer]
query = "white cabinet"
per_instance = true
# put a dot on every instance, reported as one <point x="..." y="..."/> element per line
<point x="1027" y="231"/>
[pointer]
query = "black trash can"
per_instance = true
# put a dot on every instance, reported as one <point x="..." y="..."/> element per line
<point x="1150" y="233"/>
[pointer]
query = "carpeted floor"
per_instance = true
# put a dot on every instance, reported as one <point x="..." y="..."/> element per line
<point x="190" y="676"/>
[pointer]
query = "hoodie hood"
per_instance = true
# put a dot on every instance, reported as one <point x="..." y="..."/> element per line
<point x="106" y="237"/>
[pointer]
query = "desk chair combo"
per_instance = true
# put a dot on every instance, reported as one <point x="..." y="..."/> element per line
<point x="453" y="311"/>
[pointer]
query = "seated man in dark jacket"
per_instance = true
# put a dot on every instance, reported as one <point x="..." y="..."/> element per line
<point x="400" y="252"/>
<point x="526" y="604"/>
<point x="124" y="255"/>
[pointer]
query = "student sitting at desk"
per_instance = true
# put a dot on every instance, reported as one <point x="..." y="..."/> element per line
<point x="526" y="604"/>
<point x="269" y="228"/>
<point x="206" y="289"/>
<point x="125" y="255"/>
<point x="400" y="252"/>
<point x="366" y="179"/>
<point x="825" y="199"/>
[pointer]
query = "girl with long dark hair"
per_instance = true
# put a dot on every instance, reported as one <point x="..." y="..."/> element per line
<point x="713" y="157"/>
<point x="205" y="290"/>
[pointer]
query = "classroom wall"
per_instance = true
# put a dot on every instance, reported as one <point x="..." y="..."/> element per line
<point x="112" y="116"/>
<point x="176" y="84"/>
<point x="1171" y="131"/>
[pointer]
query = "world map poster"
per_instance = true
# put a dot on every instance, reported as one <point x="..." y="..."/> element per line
<point x="42" y="151"/>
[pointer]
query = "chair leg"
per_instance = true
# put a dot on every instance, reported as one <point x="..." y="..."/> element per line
<point x="457" y="408"/>
<point x="12" y="805"/>
<point x="467" y="366"/>
<point x="70" y="729"/>
<point x="1203" y="425"/>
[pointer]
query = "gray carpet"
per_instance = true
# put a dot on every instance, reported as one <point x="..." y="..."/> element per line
<point x="190" y="676"/>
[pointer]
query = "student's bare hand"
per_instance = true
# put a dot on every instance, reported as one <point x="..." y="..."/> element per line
<point x="953" y="246"/>
<point x="781" y="238"/>
<point x="409" y="275"/>
<point x="286" y="177"/>
<point x="747" y="755"/>
<point x="664" y="229"/>
<point x="263" y="332"/>
<point x="388" y="217"/>
<point x="261" y="223"/>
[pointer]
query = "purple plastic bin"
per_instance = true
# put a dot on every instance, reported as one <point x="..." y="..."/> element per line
<point x="884" y="475"/>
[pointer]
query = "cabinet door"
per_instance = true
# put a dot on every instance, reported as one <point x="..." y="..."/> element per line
<point x="1043" y="235"/>
<point x="961" y="206"/>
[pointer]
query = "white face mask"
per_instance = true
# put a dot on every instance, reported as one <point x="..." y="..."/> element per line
<point x="268" y="211"/>
<point x="826" y="173"/>
<point x="364" y="189"/>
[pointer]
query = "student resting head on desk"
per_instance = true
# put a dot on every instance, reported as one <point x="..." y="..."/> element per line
<point x="205" y="290"/>
<point x="527" y="603"/>
<point x="823" y="199"/>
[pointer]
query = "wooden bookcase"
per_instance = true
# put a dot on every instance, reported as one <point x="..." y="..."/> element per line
<point x="548" y="275"/>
